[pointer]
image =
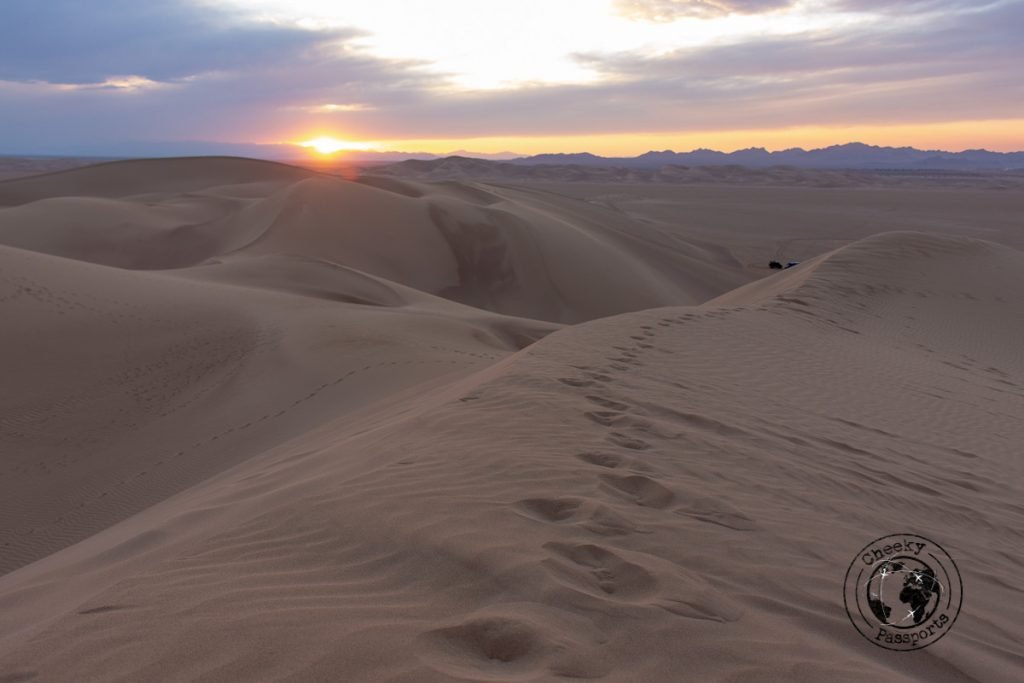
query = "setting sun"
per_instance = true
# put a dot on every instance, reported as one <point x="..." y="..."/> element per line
<point x="328" y="145"/>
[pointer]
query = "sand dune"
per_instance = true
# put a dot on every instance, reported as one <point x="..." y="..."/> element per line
<point x="21" y="167"/>
<point x="125" y="380"/>
<point x="144" y="176"/>
<point x="281" y="464"/>
<point x="517" y="252"/>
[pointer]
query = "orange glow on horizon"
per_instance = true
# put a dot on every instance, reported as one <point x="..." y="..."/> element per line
<point x="1002" y="135"/>
<point x="327" y="145"/>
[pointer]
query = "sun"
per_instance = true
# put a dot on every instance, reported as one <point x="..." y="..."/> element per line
<point x="328" y="145"/>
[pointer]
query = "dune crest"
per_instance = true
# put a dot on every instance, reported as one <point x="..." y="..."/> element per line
<point x="352" y="443"/>
<point x="527" y="254"/>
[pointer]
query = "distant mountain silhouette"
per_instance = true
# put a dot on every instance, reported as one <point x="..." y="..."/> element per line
<point x="563" y="169"/>
<point x="854" y="155"/>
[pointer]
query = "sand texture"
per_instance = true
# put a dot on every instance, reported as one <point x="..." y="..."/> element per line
<point x="261" y="423"/>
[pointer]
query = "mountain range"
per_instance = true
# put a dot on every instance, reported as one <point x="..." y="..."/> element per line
<point x="853" y="155"/>
<point x="850" y="156"/>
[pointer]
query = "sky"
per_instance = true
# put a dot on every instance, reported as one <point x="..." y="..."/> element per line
<point x="613" y="77"/>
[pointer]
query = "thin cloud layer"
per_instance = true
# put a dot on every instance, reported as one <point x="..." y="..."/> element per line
<point x="68" y="41"/>
<point x="917" y="6"/>
<point x="74" y="80"/>
<point x="672" y="10"/>
<point x="73" y="76"/>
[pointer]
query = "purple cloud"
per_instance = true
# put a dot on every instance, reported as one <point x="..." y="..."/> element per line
<point x="670" y="10"/>
<point x="956" y="65"/>
<point x="68" y="41"/>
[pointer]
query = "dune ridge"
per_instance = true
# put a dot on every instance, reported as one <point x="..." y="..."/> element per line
<point x="314" y="471"/>
<point x="156" y="364"/>
<point x="510" y="251"/>
<point x="140" y="176"/>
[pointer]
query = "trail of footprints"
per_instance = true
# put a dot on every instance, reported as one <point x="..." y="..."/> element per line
<point x="624" y="478"/>
<point x="628" y="493"/>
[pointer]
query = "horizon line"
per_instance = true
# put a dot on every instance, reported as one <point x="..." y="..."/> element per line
<point x="507" y="155"/>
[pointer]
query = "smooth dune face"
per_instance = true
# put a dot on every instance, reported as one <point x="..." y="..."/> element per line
<point x="519" y="252"/>
<point x="353" y="437"/>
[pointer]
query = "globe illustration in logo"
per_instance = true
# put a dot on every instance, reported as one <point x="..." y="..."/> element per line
<point x="903" y="592"/>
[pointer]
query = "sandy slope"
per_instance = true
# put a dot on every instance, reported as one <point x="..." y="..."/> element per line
<point x="143" y="176"/>
<point x="275" y="467"/>
<point x="132" y="386"/>
<point x="20" y="167"/>
<point x="523" y="253"/>
<point x="757" y="224"/>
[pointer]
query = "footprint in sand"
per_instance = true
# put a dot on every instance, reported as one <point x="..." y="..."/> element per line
<point x="586" y="513"/>
<point x="606" y="402"/>
<point x="605" y="418"/>
<point x="598" y="571"/>
<point x="492" y="648"/>
<point x="609" y="460"/>
<point x="604" y="521"/>
<point x="641" y="490"/>
<point x="626" y="441"/>
<point x="550" y="509"/>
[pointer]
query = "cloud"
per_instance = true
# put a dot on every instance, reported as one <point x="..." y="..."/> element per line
<point x="972" y="41"/>
<point x="75" y="42"/>
<point x="959" y="64"/>
<point x="98" y="74"/>
<point x="670" y="10"/>
<point x="664" y="11"/>
<point x="912" y="6"/>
